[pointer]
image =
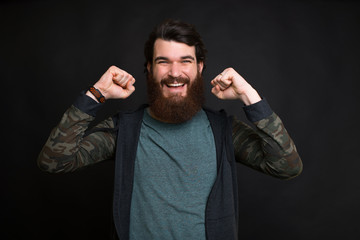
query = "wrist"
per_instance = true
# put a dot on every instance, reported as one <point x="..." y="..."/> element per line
<point x="104" y="90"/>
<point x="89" y="94"/>
<point x="95" y="94"/>
<point x="249" y="96"/>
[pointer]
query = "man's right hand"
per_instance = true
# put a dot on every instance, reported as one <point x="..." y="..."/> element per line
<point x="115" y="84"/>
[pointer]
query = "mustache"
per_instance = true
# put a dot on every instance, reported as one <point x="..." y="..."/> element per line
<point x="170" y="80"/>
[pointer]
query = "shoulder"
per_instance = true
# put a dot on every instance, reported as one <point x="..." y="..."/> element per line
<point x="219" y="120"/>
<point x="218" y="114"/>
<point x="133" y="111"/>
<point x="132" y="115"/>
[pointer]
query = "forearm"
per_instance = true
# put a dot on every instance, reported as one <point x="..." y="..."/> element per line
<point x="67" y="147"/>
<point x="268" y="148"/>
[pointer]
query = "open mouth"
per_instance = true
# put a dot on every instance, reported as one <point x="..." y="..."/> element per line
<point x="174" y="85"/>
<point x="174" y="88"/>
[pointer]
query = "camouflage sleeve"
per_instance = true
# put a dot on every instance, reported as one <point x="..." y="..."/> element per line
<point x="69" y="148"/>
<point x="268" y="148"/>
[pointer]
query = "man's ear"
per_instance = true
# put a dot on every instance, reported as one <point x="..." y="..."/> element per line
<point x="148" y="67"/>
<point x="200" y="66"/>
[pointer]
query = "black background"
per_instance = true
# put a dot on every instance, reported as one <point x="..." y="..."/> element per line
<point x="303" y="56"/>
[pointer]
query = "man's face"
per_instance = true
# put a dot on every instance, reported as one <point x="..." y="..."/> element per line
<point x="175" y="85"/>
<point x="174" y="67"/>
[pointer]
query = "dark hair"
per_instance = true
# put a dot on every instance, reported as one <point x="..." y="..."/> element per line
<point x="175" y="30"/>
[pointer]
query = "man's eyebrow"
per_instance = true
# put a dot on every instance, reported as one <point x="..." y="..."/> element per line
<point x="160" y="58"/>
<point x="187" y="57"/>
<point x="165" y="58"/>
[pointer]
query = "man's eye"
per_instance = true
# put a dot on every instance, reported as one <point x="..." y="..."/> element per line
<point x="162" y="62"/>
<point x="186" y="61"/>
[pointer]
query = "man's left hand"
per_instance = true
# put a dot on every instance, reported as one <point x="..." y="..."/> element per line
<point x="230" y="85"/>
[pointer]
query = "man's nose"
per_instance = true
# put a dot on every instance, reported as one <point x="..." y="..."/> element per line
<point x="175" y="70"/>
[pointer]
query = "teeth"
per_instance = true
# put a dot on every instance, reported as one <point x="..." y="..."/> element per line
<point x="175" y="84"/>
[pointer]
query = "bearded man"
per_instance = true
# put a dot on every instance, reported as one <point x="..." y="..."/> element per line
<point x="175" y="161"/>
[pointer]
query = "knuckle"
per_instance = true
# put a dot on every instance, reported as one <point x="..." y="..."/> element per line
<point x="112" y="67"/>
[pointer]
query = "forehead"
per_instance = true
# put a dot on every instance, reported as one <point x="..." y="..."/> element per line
<point x="172" y="49"/>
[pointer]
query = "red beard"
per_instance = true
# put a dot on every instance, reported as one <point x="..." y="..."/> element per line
<point x="176" y="108"/>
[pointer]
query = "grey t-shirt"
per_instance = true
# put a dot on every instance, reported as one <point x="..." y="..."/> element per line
<point x="175" y="169"/>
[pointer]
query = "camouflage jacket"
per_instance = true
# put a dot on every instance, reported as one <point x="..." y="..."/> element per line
<point x="267" y="148"/>
<point x="71" y="145"/>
